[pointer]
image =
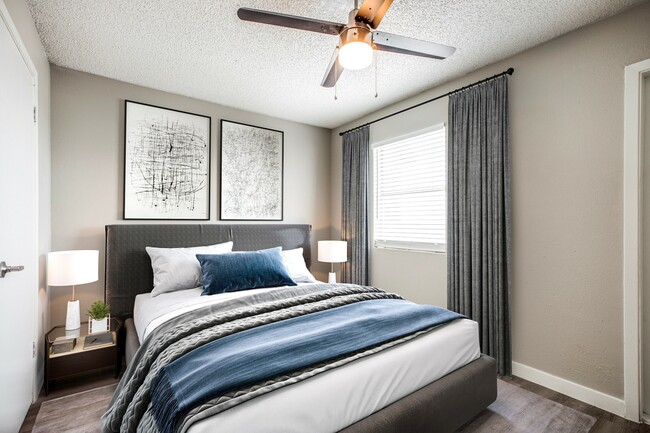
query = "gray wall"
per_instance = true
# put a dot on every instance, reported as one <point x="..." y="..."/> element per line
<point x="566" y="107"/>
<point x="88" y="164"/>
<point x="22" y="19"/>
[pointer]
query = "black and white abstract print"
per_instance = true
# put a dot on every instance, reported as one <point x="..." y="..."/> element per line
<point x="167" y="164"/>
<point x="251" y="172"/>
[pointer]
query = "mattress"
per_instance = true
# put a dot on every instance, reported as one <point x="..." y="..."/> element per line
<point x="334" y="399"/>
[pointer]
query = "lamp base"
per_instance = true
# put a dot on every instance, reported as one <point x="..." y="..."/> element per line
<point x="72" y="320"/>
<point x="331" y="278"/>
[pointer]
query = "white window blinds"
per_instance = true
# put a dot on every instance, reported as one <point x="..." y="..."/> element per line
<point x="409" y="192"/>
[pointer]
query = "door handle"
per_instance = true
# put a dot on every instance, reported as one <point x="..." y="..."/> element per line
<point x="4" y="269"/>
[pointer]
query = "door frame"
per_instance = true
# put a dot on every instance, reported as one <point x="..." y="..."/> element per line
<point x="632" y="238"/>
<point x="5" y="16"/>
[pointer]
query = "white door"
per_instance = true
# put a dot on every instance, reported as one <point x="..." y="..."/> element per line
<point x="18" y="228"/>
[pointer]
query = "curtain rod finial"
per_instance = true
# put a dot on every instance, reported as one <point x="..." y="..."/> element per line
<point x="510" y="71"/>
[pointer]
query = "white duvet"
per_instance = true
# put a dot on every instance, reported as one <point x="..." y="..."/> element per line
<point x="337" y="398"/>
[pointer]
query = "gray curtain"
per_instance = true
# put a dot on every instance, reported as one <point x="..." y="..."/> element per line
<point x="354" y="212"/>
<point x="479" y="262"/>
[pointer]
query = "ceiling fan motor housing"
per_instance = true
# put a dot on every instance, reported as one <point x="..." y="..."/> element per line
<point x="355" y="31"/>
<point x="358" y="33"/>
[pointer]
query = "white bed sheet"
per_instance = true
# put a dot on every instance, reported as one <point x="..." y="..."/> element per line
<point x="149" y="312"/>
<point x="337" y="398"/>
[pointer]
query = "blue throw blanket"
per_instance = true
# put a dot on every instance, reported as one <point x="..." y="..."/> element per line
<point x="281" y="347"/>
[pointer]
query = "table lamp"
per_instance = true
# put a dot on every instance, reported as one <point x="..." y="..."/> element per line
<point x="332" y="252"/>
<point x="70" y="268"/>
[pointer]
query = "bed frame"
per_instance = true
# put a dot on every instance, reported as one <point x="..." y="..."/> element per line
<point x="442" y="406"/>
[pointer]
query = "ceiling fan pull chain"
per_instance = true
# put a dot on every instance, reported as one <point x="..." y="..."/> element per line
<point x="376" y="61"/>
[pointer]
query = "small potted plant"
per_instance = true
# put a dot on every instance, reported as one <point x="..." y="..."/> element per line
<point x="98" y="317"/>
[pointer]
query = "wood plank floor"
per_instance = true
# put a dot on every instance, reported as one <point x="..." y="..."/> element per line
<point x="67" y="387"/>
<point x="605" y="421"/>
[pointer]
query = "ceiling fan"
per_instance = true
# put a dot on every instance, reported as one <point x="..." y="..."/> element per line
<point x="357" y="39"/>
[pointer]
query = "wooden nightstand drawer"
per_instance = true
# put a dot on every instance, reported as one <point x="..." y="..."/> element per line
<point x="63" y="366"/>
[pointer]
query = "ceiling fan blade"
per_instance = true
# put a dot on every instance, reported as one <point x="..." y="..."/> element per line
<point x="371" y="12"/>
<point x="334" y="71"/>
<point x="401" y="44"/>
<point x="290" y="21"/>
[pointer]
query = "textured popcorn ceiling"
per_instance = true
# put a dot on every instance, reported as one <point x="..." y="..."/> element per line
<point x="199" y="48"/>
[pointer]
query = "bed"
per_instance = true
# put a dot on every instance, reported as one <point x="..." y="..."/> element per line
<point x="443" y="381"/>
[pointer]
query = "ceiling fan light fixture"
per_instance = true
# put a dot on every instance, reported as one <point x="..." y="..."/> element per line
<point x="356" y="46"/>
<point x="355" y="55"/>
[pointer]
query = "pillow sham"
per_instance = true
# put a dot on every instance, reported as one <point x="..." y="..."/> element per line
<point x="243" y="270"/>
<point x="177" y="268"/>
<point x="296" y="266"/>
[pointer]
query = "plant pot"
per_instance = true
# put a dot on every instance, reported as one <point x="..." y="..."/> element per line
<point x="97" y="326"/>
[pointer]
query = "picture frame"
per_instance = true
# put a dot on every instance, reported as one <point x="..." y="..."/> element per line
<point x="166" y="163"/>
<point x="252" y="173"/>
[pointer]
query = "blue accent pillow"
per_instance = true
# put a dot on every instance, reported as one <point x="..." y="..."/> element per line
<point x="232" y="272"/>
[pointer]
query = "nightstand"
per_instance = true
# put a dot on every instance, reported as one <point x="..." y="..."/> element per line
<point x="79" y="360"/>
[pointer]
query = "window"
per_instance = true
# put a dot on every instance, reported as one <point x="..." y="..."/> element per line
<point x="409" y="192"/>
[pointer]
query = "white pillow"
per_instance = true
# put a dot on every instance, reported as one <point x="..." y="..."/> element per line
<point x="177" y="268"/>
<point x="295" y="264"/>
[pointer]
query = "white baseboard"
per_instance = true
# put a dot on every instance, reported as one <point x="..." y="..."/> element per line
<point x="574" y="390"/>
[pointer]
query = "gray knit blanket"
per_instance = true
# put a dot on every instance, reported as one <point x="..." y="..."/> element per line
<point x="130" y="407"/>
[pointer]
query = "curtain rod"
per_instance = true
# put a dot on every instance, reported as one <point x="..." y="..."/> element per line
<point x="509" y="72"/>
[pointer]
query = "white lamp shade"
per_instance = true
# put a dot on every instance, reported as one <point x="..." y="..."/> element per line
<point x="332" y="251"/>
<point x="69" y="268"/>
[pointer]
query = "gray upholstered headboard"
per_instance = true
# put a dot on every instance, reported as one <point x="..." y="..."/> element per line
<point x="128" y="267"/>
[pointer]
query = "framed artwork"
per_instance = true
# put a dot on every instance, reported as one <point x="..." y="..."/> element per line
<point x="166" y="163"/>
<point x="252" y="160"/>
